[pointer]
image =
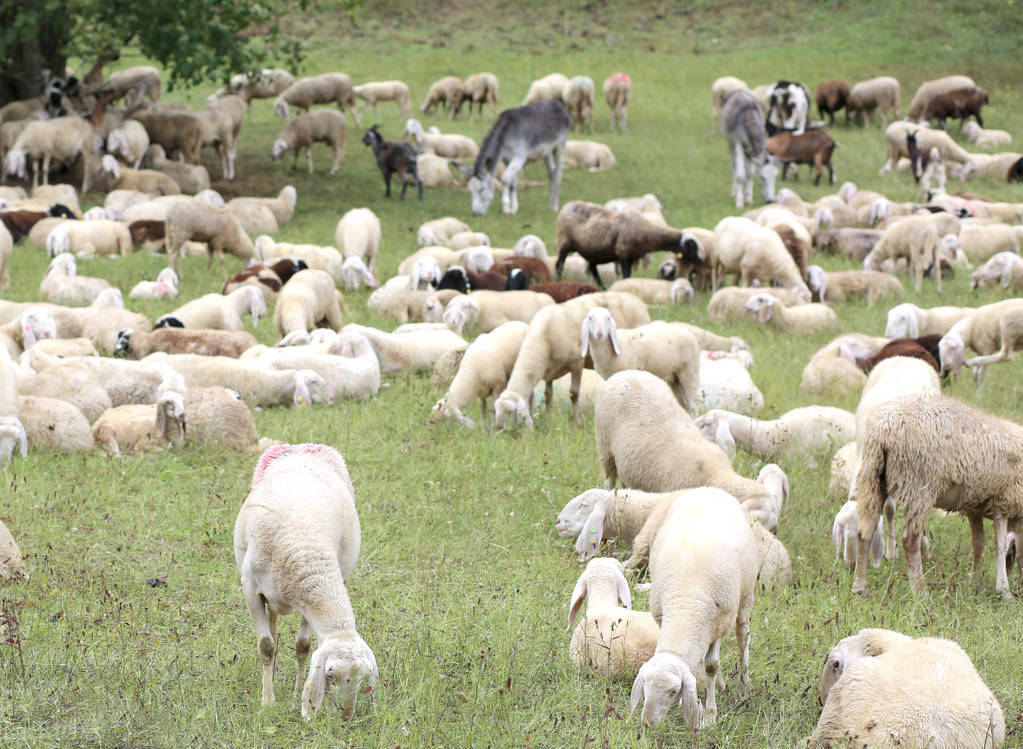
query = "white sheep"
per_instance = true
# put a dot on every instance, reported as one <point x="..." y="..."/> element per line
<point x="478" y="89"/>
<point x="296" y="541"/>
<point x="11" y="565"/>
<point x="487" y="310"/>
<point x="317" y="89"/>
<point x="129" y="141"/>
<point x="866" y="97"/>
<point x="611" y="640"/>
<point x="466" y="240"/>
<point x="668" y="351"/>
<point x="197" y="221"/>
<point x="980" y="239"/>
<point x="317" y="257"/>
<point x="730" y="302"/>
<point x="617" y="515"/>
<point x="750" y="251"/>
<point x="1003" y="269"/>
<point x="551" y="350"/>
<point x="53" y="425"/>
<point x="549" y="87"/>
<point x="134" y="83"/>
<point x="449" y="145"/>
<point x="837" y="286"/>
<point x="985" y="138"/>
<point x="579" y="97"/>
<point x="61" y="283"/>
<point x="803" y="319"/>
<point x="42" y="141"/>
<point x="588" y="154"/>
<point x="437" y="231"/>
<point x="282" y="206"/>
<point x="322" y="126"/>
<point x="994" y="331"/>
<point x="358" y="235"/>
<point x="437" y="171"/>
<point x="725" y="383"/>
<point x="254" y="218"/>
<point x="308" y="301"/>
<point x="89" y="238"/>
<point x="703" y="573"/>
<point x="482" y="373"/>
<point x="417" y="350"/>
<point x="149" y="181"/>
<point x="801" y="431"/>
<point x="617" y="89"/>
<point x="165" y="286"/>
<point x="843" y="536"/>
<point x="223" y="311"/>
<point x="377" y="91"/>
<point x="140" y="428"/>
<point x="656" y="290"/>
<point x="907" y="320"/>
<point x="910" y="692"/>
<point x="191" y="178"/>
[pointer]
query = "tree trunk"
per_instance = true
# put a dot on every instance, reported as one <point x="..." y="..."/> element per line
<point x="41" y="49"/>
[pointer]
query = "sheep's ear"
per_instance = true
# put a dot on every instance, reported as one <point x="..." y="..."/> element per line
<point x="578" y="596"/>
<point x="590" y="537"/>
<point x="30" y="337"/>
<point x="765" y="312"/>
<point x="624" y="594"/>
<point x="585" y="336"/>
<point x="161" y="418"/>
<point x="613" y="334"/>
<point x="314" y="690"/>
<point x="637" y="693"/>
<point x="368" y="278"/>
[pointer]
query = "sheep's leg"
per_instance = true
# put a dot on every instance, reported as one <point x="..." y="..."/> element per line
<point x="1001" y="575"/>
<point x="548" y="396"/>
<point x="573" y="394"/>
<point x="891" y="549"/>
<point x="309" y="158"/>
<point x="711" y="664"/>
<point x="977" y="537"/>
<point x="862" y="548"/>
<point x="339" y="153"/>
<point x="742" y="640"/>
<point x="303" y="644"/>
<point x="264" y="621"/>
<point x="914" y="565"/>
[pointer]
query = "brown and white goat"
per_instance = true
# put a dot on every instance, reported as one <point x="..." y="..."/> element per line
<point x="814" y="147"/>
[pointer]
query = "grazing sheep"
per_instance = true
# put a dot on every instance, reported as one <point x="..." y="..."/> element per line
<point x="838" y="286"/>
<point x="296" y="541"/>
<point x="446" y="92"/>
<point x="804" y="319"/>
<point x="482" y="373"/>
<point x="617" y="93"/>
<point x="832" y="96"/>
<point x="995" y="331"/>
<point x="661" y="348"/>
<point x="308" y="300"/>
<point x="801" y="431"/>
<point x="907" y="692"/>
<point x="551" y="350"/>
<point x="1004" y="269"/>
<point x="53" y="425"/>
<point x="906" y="320"/>
<point x="62" y="285"/>
<point x="866" y="97"/>
<point x="178" y="133"/>
<point x="488" y="310"/>
<point x="42" y="141"/>
<point x="377" y="91"/>
<point x="843" y="535"/>
<point x="703" y="572"/>
<point x="190" y="178"/>
<point x="478" y="89"/>
<point x="282" y="206"/>
<point x="986" y="138"/>
<point x="980" y="239"/>
<point x="197" y="221"/>
<point x="749" y="251"/>
<point x="321" y="126"/>
<point x="449" y="145"/>
<point x="549" y="87"/>
<point x="266" y="84"/>
<point x="588" y="154"/>
<point x="318" y="89"/>
<point x="134" y="83"/>
<point x="929" y="89"/>
<point x="958" y="103"/>
<point x="579" y="96"/>
<point x="912" y="237"/>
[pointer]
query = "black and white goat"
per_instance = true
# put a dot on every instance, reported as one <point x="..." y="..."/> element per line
<point x="394" y="156"/>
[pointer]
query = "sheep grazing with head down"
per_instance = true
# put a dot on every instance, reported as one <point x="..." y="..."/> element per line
<point x="444" y="92"/>
<point x="318" y="89"/>
<point x="750" y="251"/>
<point x="882" y="688"/>
<point x="866" y="97"/>
<point x="1003" y="269"/>
<point x="800" y="431"/>
<point x="296" y="541"/>
<point x="358" y="235"/>
<point x="617" y="92"/>
<point x="579" y="95"/>
<point x="929" y="89"/>
<point x="478" y="89"/>
<point x="196" y="221"/>
<point x="322" y="126"/>
<point x="995" y="331"/>
<point x="549" y="87"/>
<point x="832" y="96"/>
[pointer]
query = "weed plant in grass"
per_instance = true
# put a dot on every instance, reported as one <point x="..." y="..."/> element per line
<point x="132" y="629"/>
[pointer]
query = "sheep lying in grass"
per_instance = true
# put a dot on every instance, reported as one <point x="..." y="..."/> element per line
<point x="296" y="541"/>
<point x="800" y="431"/>
<point x="61" y="283"/>
<point x="321" y="126"/>
<point x="141" y="428"/>
<point x="804" y="319"/>
<point x="11" y="565"/>
<point x="165" y="286"/>
<point x="656" y="290"/>
<point x="837" y="286"/>
<point x="912" y="692"/>
<point x="588" y="154"/>
<point x="487" y="310"/>
<point x="184" y="341"/>
<point x="191" y="178"/>
<point x="419" y="350"/>
<point x="222" y="311"/>
<point x="449" y="145"/>
<point x="89" y="238"/>
<point x="53" y="425"/>
<point x="881" y="93"/>
<point x="907" y="320"/>
<point x="282" y="206"/>
<point x="985" y="138"/>
<point x="149" y="181"/>
<point x="308" y="301"/>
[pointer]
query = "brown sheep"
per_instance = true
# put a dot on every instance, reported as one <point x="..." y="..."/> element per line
<point x="177" y="132"/>
<point x="799" y="249"/>
<point x="813" y="147"/>
<point x="855" y="244"/>
<point x="958" y="104"/>
<point x="537" y="270"/>
<point x="562" y="291"/>
<point x="831" y="96"/>
<point x="603" y="235"/>
<point x="270" y="278"/>
<point x="145" y="230"/>
<point x="924" y="348"/>
<point x="184" y="341"/>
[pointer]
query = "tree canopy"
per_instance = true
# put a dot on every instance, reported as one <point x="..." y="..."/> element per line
<point x="193" y="40"/>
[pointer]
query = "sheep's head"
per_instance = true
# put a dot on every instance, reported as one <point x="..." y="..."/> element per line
<point x="667" y="270"/>
<point x="481" y="189"/>
<point x="823" y="218"/>
<point x="281" y="108"/>
<point x="37" y="324"/>
<point x="290" y="194"/>
<point x="425" y="271"/>
<point x="278" y="149"/>
<point x="96" y="213"/>
<point x="433" y="309"/>
<point x="603" y="572"/>
<point x="170" y="417"/>
<point x="681" y="291"/>
<point x="354" y="272"/>
<point x="461" y="311"/>
<point x="572" y="519"/>
<point x="691" y="250"/>
<point x="530" y="246"/>
<point x="596" y="326"/>
<point x="345" y="660"/>
<point x="880" y="210"/>
<point x="902" y="321"/>
<point x="661" y="682"/>
<point x="310" y="388"/>
<point x="951" y="352"/>
<point x="479" y="259"/>
<point x="761" y="306"/>
<point x="511" y="406"/>
<point x="15" y="162"/>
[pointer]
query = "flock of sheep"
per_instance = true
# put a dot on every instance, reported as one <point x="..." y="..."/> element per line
<point x="671" y="402"/>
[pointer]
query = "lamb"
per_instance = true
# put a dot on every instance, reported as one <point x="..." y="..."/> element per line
<point x="843" y="535"/>
<point x="974" y="474"/>
<point x="730" y="302"/>
<point x="986" y="138"/>
<point x="478" y="89"/>
<point x="446" y="91"/>
<point x="550" y="350"/>
<point x="62" y="285"/>
<point x="655" y="290"/>
<point x="465" y="240"/>
<point x="617" y="92"/>
<point x="929" y="89"/>
<point x="268" y="278"/>
<point x="129" y="141"/>
<point x="1003" y="268"/>
<point x="178" y="133"/>
<point x="306" y="301"/>
<point x="322" y="126"/>
<point x="62" y="138"/>
<point x="299" y="518"/>
<point x="663" y="349"/>
<point x="602" y="235"/>
<point x="549" y="87"/>
<point x="994" y="331"/>
<point x="719" y="89"/>
<point x="588" y="154"/>
<point x="282" y="206"/>
<point x="190" y="178"/>
<point x="907" y="320"/>
<point x="579" y="95"/>
<point x="11" y="565"/>
<point x="482" y="373"/>
<point x="618" y="515"/>
<point x="141" y="428"/>
<point x="804" y="319"/>
<point x="318" y="89"/>
<point x="800" y="431"/>
<point x="184" y="341"/>
<point x="487" y="310"/>
<point x="610" y="640"/>
<point x="703" y="571"/>
<point x="149" y="181"/>
<point x="449" y="145"/>
<point x="914" y="692"/>
<point x="165" y="286"/>
<point x="377" y="91"/>
<point x="420" y="350"/>
<point x="838" y="286"/>
<point x="200" y="222"/>
<point x="53" y="425"/>
<point x="436" y="171"/>
<point x="868" y="96"/>
<point x="750" y="251"/>
<point x="438" y="231"/>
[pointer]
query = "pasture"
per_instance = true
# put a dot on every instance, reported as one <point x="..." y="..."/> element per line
<point x="132" y="629"/>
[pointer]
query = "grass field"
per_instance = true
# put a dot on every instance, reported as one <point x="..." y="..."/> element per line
<point x="132" y="629"/>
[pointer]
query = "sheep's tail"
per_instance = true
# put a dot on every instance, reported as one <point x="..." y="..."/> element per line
<point x="871" y="484"/>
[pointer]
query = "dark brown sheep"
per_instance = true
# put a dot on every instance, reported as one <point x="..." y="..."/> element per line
<point x="146" y="231"/>
<point x="536" y="269"/>
<point x="562" y="291"/>
<point x="814" y="147"/>
<point x="924" y="348"/>
<point x="799" y="249"/>
<point x="19" y="223"/>
<point x="957" y="104"/>
<point x="854" y="244"/>
<point x="831" y="96"/>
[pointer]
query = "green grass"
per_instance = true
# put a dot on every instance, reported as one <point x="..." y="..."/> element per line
<point x="462" y="587"/>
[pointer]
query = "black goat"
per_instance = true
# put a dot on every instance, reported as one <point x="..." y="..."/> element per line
<point x="394" y="156"/>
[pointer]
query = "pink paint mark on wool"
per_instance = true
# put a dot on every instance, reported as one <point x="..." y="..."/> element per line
<point x="621" y="78"/>
<point x="278" y="451"/>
